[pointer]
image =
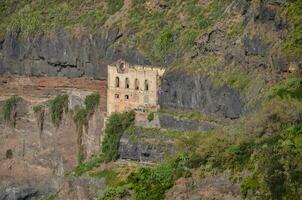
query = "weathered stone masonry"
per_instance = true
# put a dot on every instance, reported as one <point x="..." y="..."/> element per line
<point x="132" y="87"/>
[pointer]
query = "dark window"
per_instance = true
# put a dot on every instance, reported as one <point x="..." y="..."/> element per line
<point x="136" y="84"/>
<point x="117" y="96"/>
<point x="146" y="85"/>
<point x="126" y="96"/>
<point x="127" y="83"/>
<point x="117" y="82"/>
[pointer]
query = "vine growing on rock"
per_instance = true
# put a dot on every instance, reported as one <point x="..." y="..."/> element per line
<point x="39" y="112"/>
<point x="115" y="127"/>
<point x="57" y="107"/>
<point x="81" y="118"/>
<point x="9" y="111"/>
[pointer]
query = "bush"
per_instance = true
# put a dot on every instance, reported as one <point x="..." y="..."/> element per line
<point x="290" y="88"/>
<point x="9" y="110"/>
<point x="115" y="127"/>
<point x="9" y="154"/>
<point x="91" y="102"/>
<point x="57" y="106"/>
<point x="152" y="183"/>
<point x="150" y="117"/>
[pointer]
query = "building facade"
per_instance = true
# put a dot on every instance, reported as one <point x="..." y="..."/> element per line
<point x="132" y="87"/>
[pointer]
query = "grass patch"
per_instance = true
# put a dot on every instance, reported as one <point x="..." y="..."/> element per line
<point x="57" y="107"/>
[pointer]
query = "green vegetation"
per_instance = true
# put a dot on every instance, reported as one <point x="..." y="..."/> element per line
<point x="51" y="197"/>
<point x="37" y="16"/>
<point x="88" y="166"/>
<point x="39" y="111"/>
<point x="57" y="106"/>
<point x="293" y="44"/>
<point x="115" y="127"/>
<point x="83" y="115"/>
<point x="114" y="5"/>
<point x="162" y="32"/>
<point x="81" y="156"/>
<point x="9" y="112"/>
<point x="91" y="102"/>
<point x="289" y="88"/>
<point x="152" y="183"/>
<point x="9" y="154"/>
<point x="150" y="116"/>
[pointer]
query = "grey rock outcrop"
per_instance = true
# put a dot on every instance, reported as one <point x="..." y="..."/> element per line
<point x="195" y="92"/>
<point x="145" y="146"/>
<point x="64" y="55"/>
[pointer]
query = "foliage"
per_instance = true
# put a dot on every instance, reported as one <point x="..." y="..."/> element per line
<point x="81" y="155"/>
<point x="51" y="197"/>
<point x="9" y="110"/>
<point x="293" y="44"/>
<point x="9" y="154"/>
<point x="91" y="102"/>
<point x="84" y="167"/>
<point x="82" y="115"/>
<point x="289" y="88"/>
<point x="39" y="115"/>
<point x="111" y="192"/>
<point x="114" y="5"/>
<point x="150" y="116"/>
<point x="57" y="106"/>
<point x="115" y="127"/>
<point x="152" y="183"/>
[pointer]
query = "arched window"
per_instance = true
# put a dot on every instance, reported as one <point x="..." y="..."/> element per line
<point x="127" y="83"/>
<point x="146" y="85"/>
<point x="136" y="84"/>
<point x="117" y="82"/>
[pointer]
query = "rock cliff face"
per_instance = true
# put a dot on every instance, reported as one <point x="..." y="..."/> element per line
<point x="196" y="93"/>
<point x="64" y="55"/>
<point x="40" y="159"/>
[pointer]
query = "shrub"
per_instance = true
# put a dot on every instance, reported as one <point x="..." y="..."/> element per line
<point x="57" y="106"/>
<point x="9" y="110"/>
<point x="290" y="88"/>
<point x="91" y="102"/>
<point x="115" y="127"/>
<point x="150" y="117"/>
<point x="9" y="154"/>
<point x="152" y="183"/>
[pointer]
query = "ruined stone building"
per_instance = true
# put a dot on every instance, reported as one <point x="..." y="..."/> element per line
<point x="132" y="87"/>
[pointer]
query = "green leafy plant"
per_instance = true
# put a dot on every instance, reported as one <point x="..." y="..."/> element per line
<point x="150" y="117"/>
<point x="57" y="106"/>
<point x="9" y="154"/>
<point x="9" y="112"/>
<point x="115" y="127"/>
